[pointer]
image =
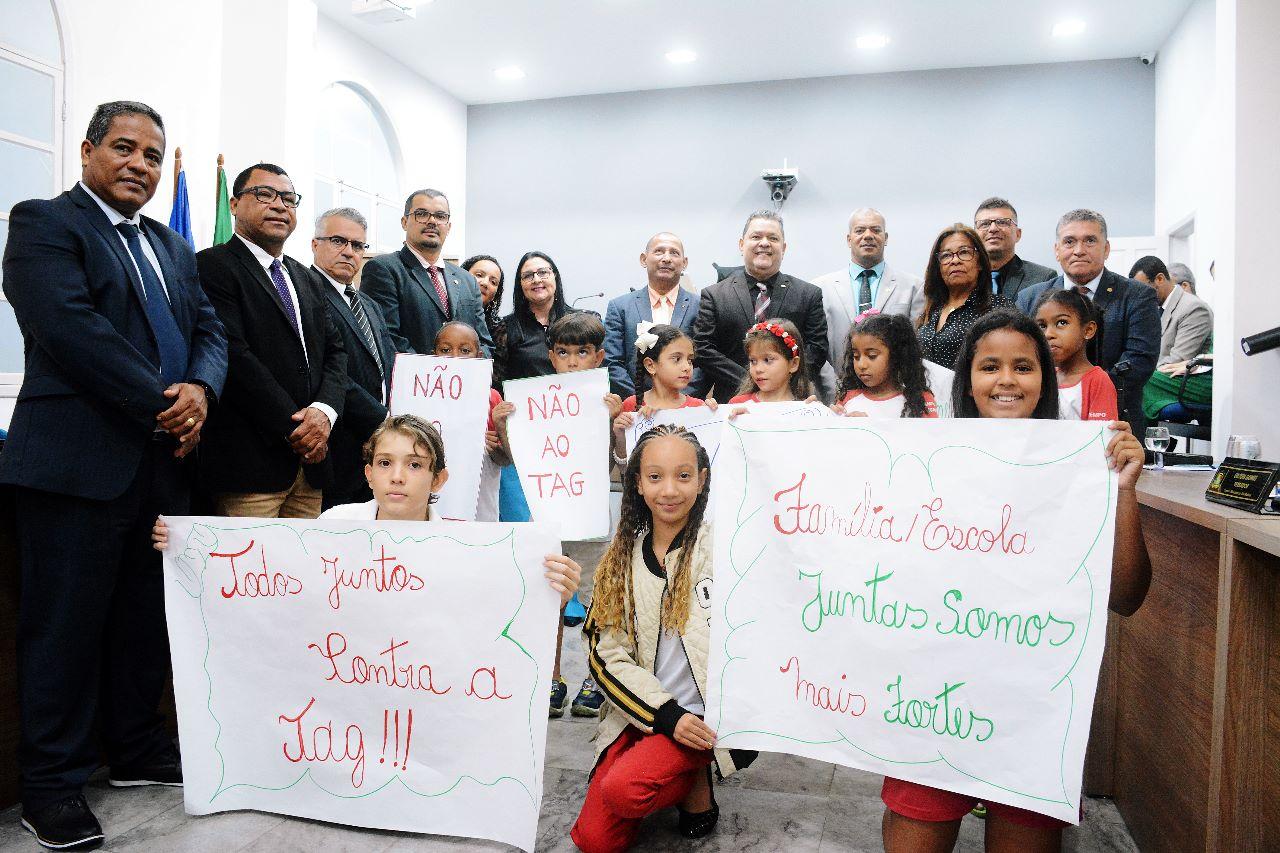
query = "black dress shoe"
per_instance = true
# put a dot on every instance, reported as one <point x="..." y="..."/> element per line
<point x="166" y="769"/>
<point x="68" y="824"/>
<point x="699" y="824"/>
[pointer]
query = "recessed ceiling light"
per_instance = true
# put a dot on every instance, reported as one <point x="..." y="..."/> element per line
<point x="509" y="72"/>
<point x="680" y="57"/>
<point x="871" y="42"/>
<point x="1066" y="29"/>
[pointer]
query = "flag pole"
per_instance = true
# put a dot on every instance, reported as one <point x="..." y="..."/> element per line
<point x="177" y="169"/>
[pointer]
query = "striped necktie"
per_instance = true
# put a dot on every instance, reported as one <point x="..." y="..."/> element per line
<point x="762" y="301"/>
<point x="362" y="322"/>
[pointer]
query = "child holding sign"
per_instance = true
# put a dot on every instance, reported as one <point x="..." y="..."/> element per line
<point x="458" y="340"/>
<point x="1071" y="326"/>
<point x="776" y="372"/>
<point x="575" y="342"/>
<point x="647" y="635"/>
<point x="404" y="464"/>
<point x="1005" y="370"/>
<point x="882" y="375"/>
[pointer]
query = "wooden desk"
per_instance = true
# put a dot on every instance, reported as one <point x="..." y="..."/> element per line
<point x="1186" y="730"/>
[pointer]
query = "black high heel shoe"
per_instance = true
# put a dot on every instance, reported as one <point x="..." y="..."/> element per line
<point x="700" y="824"/>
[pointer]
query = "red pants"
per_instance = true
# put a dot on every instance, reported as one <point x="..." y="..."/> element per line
<point x="637" y="775"/>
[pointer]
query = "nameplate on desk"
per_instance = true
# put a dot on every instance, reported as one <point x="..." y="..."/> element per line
<point x="1246" y="484"/>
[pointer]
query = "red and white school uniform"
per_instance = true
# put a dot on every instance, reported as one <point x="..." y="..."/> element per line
<point x="690" y="402"/>
<point x="490" y="472"/>
<point x="745" y="398"/>
<point x="889" y="407"/>
<point x="1093" y="398"/>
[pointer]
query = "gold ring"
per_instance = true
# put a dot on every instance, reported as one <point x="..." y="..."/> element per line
<point x="191" y="422"/>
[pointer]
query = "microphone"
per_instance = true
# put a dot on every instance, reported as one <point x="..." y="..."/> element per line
<point x="575" y="302"/>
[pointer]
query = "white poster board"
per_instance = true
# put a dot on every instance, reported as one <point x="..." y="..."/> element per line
<point x="453" y="395"/>
<point x="559" y="435"/>
<point x="699" y="420"/>
<point x="920" y="598"/>
<point x="378" y="674"/>
<point x="940" y="381"/>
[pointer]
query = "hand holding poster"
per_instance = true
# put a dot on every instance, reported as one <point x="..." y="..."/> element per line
<point x="923" y="599"/>
<point x="452" y="394"/>
<point x="559" y="435"/>
<point x="380" y="674"/>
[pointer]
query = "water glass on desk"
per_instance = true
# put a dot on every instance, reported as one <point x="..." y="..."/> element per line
<point x="1158" y="442"/>
<point x="1244" y="447"/>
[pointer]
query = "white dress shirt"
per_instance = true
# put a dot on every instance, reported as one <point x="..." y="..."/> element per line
<point x="1092" y="286"/>
<point x="116" y="217"/>
<point x="262" y="257"/>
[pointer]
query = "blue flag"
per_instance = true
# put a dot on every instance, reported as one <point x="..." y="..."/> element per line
<point x="180" y="216"/>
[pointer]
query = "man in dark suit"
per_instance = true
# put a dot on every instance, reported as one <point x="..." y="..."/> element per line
<point x="337" y="252"/>
<point x="266" y="447"/>
<point x="1130" y="312"/>
<point x="416" y="290"/>
<point x="124" y="355"/>
<point x="996" y="222"/>
<point x="662" y="301"/>
<point x="730" y="307"/>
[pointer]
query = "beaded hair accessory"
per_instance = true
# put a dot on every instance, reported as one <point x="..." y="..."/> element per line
<point x="778" y="332"/>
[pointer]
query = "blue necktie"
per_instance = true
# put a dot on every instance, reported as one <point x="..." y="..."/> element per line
<point x="277" y="278"/>
<point x="170" y="344"/>
<point x="995" y="282"/>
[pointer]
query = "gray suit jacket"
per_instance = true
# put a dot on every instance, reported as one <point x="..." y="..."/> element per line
<point x="899" y="293"/>
<point x="1185" y="327"/>
<point x="401" y="287"/>
<point x="620" y="321"/>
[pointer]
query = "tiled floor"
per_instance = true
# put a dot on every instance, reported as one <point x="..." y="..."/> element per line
<point x="780" y="803"/>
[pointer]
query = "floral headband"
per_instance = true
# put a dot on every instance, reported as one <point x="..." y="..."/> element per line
<point x="645" y="339"/>
<point x="778" y="332"/>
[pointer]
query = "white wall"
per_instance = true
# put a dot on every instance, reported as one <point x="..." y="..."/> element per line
<point x="1188" y="136"/>
<point x="589" y="179"/>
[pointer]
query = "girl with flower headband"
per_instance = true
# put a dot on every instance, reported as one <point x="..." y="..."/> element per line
<point x="882" y="374"/>
<point x="664" y="366"/>
<point x="776" y="368"/>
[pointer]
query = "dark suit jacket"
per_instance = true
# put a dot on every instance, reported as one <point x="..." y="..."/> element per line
<point x="91" y="389"/>
<point x="245" y="446"/>
<point x="620" y="321"/>
<point x="1019" y="274"/>
<point x="726" y="312"/>
<point x="366" y="389"/>
<point x="1130" y="332"/>
<point x="410" y="305"/>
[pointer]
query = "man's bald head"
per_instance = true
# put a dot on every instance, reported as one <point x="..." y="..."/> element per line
<point x="664" y="261"/>
<point x="665" y="236"/>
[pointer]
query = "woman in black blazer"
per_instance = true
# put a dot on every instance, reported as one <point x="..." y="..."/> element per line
<point x="539" y="301"/>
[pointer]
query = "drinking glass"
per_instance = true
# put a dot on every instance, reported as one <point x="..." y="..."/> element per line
<point x="1158" y="442"/>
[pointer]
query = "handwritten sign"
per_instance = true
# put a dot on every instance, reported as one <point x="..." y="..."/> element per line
<point x="701" y="421"/>
<point x="922" y="599"/>
<point x="453" y="395"/>
<point x="379" y="674"/>
<point x="940" y="381"/>
<point x="559" y="436"/>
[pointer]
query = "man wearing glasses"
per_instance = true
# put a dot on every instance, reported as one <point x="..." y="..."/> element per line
<point x="338" y="252"/>
<point x="266" y="446"/>
<point x="996" y="222"/>
<point x="416" y="289"/>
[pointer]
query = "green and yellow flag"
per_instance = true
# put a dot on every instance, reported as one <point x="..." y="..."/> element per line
<point x="222" y="228"/>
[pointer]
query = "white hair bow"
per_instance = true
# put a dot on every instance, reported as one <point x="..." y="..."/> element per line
<point x="645" y="338"/>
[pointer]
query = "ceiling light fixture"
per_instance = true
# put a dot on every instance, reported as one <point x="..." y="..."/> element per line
<point x="509" y="72"/>
<point x="681" y="57"/>
<point x="871" y="42"/>
<point x="1066" y="29"/>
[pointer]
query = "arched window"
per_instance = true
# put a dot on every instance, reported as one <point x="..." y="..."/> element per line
<point x="356" y="163"/>
<point x="31" y="119"/>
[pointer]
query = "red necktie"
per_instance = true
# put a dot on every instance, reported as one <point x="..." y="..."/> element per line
<point x="438" y="281"/>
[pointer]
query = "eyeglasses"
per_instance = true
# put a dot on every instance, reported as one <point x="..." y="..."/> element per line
<point x="268" y="195"/>
<point x="988" y="224"/>
<point x="965" y="254"/>
<point x="423" y="216"/>
<point x="341" y="243"/>
<point x="530" y="275"/>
